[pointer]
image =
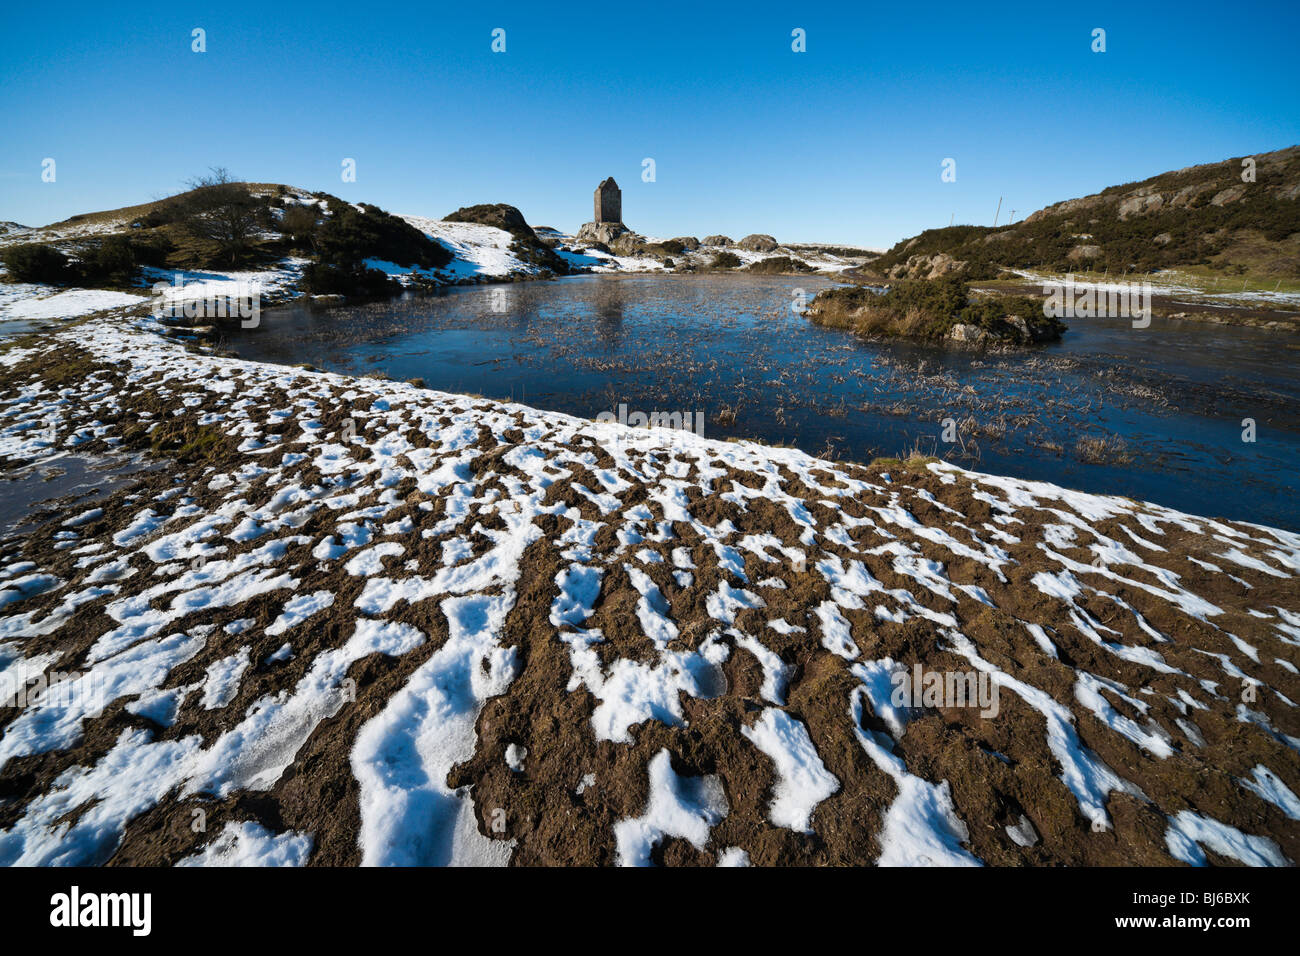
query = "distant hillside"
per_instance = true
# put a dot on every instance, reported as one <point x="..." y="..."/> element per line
<point x="1199" y="216"/>
<point x="223" y="224"/>
<point x="319" y="244"/>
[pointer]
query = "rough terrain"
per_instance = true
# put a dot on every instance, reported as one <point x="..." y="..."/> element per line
<point x="357" y="622"/>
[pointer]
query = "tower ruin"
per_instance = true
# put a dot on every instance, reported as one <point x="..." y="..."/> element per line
<point x="609" y="202"/>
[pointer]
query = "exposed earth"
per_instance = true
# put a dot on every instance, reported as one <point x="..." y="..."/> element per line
<point x="354" y="621"/>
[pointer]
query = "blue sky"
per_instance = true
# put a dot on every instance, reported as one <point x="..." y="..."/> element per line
<point x="841" y="143"/>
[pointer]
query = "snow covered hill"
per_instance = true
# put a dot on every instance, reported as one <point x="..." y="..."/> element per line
<point x="355" y="621"/>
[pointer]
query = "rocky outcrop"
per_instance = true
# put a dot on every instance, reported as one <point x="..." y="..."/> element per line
<point x="1188" y="195"/>
<point x="1140" y="203"/>
<point x="717" y="240"/>
<point x="1068" y="206"/>
<point x="1231" y="194"/>
<point x="528" y="245"/>
<point x="499" y="215"/>
<point x="968" y="334"/>
<point x="926" y="267"/>
<point x="628" y="244"/>
<point x="758" y="242"/>
<point x="1021" y="333"/>
<point x="602" y="232"/>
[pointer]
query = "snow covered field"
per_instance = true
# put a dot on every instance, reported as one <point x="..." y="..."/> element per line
<point x="26" y="301"/>
<point x="422" y="628"/>
<point x="1172" y="283"/>
<point x="187" y="284"/>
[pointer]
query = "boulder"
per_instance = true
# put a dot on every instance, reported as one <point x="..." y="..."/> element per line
<point x="758" y="242"/>
<point x="943" y="264"/>
<point x="717" y="240"/>
<point x="1068" y="206"/>
<point x="1187" y="196"/>
<point x="927" y="267"/>
<point x="1139" y="204"/>
<point x="968" y="334"/>
<point x="627" y="244"/>
<point x="1231" y="194"/>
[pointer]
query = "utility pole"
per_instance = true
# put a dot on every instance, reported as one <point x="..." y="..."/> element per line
<point x="950" y="219"/>
<point x="996" y="214"/>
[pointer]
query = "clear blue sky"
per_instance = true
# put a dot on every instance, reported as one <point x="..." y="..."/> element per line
<point x="842" y="143"/>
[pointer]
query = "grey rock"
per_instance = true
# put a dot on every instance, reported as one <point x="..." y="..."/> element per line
<point x="604" y="232"/>
<point x="1140" y="204"/>
<point x="758" y="242"/>
<point x="1231" y="194"/>
<point x="968" y="334"/>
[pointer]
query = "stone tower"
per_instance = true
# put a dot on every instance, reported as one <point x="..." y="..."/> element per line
<point x="609" y="202"/>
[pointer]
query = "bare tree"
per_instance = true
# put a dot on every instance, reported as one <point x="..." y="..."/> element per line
<point x="223" y="212"/>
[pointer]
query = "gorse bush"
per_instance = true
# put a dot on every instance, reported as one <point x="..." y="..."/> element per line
<point x="115" y="260"/>
<point x="945" y="296"/>
<point x="323" y="278"/>
<point x="775" y="265"/>
<point x="928" y="309"/>
<point x="36" y="262"/>
<point x="299" y="223"/>
<point x="350" y="236"/>
<point x="112" y="262"/>
<point x="669" y="247"/>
